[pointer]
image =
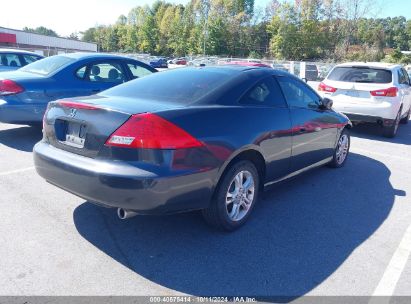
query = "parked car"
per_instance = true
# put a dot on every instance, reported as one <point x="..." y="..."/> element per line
<point x="249" y="63"/>
<point x="311" y="71"/>
<point x="180" y="61"/>
<point x="24" y="93"/>
<point x="159" y="63"/>
<point x="189" y="139"/>
<point x="370" y="92"/>
<point x="11" y="59"/>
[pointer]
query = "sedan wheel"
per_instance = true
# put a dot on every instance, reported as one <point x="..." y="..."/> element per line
<point x="341" y="151"/>
<point x="342" y="148"/>
<point x="240" y="195"/>
<point x="234" y="198"/>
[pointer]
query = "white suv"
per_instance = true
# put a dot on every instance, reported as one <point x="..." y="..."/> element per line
<point x="370" y="92"/>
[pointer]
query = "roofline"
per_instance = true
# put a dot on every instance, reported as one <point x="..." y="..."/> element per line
<point x="21" y="31"/>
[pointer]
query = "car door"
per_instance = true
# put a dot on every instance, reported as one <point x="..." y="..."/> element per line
<point x="267" y="102"/>
<point x="405" y="90"/>
<point x="87" y="78"/>
<point x="102" y="75"/>
<point x="314" y="129"/>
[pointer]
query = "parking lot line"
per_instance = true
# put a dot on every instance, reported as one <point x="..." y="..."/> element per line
<point x="16" y="171"/>
<point x="392" y="273"/>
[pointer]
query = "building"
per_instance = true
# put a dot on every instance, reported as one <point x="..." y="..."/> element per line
<point x="41" y="44"/>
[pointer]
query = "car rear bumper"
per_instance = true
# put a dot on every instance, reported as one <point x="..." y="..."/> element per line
<point x="356" y="107"/>
<point x="370" y="119"/>
<point x="124" y="185"/>
<point x="21" y="113"/>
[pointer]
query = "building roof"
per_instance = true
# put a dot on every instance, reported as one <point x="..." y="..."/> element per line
<point x="34" y="39"/>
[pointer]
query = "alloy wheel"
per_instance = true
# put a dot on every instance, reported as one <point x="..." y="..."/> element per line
<point x="240" y="195"/>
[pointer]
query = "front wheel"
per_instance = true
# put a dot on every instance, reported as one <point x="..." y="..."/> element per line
<point x="234" y="198"/>
<point x="341" y="151"/>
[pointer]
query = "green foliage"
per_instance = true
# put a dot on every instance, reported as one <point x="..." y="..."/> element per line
<point x="293" y="30"/>
<point x="41" y="30"/>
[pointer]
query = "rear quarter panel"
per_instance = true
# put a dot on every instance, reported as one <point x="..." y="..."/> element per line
<point x="227" y="131"/>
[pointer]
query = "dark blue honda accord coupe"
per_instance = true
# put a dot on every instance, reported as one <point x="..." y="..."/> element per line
<point x="205" y="139"/>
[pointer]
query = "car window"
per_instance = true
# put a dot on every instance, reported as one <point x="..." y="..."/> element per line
<point x="30" y="58"/>
<point x="107" y="72"/>
<point x="81" y="72"/>
<point x="182" y="87"/>
<point x="11" y="60"/>
<point x="138" y="71"/>
<point x="360" y="74"/>
<point x="48" y="65"/>
<point x="298" y="94"/>
<point x="406" y="76"/>
<point x="402" y="77"/>
<point x="266" y="92"/>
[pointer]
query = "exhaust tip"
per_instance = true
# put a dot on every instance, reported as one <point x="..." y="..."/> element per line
<point x="125" y="214"/>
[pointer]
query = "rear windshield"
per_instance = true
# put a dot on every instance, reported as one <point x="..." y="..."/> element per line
<point x="360" y="74"/>
<point x="183" y="85"/>
<point x="48" y="65"/>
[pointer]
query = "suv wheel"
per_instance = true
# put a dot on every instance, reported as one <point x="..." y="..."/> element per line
<point x="391" y="131"/>
<point x="234" y="198"/>
<point x="406" y="119"/>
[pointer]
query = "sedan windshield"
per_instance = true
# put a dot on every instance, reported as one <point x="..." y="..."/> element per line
<point x="360" y="74"/>
<point x="48" y="65"/>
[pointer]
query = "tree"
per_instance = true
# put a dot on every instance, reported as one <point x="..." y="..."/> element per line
<point x="41" y="30"/>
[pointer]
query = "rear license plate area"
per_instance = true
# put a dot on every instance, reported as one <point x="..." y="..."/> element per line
<point x="71" y="133"/>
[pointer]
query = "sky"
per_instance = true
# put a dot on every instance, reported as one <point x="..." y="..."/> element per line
<point x="66" y="17"/>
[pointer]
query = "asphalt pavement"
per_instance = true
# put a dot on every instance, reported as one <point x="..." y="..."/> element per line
<point x="327" y="232"/>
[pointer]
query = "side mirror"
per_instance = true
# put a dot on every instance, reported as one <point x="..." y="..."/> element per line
<point x="305" y="80"/>
<point x="327" y="103"/>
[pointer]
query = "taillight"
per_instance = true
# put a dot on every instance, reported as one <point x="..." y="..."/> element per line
<point x="9" y="87"/>
<point x="150" y="131"/>
<point x="322" y="87"/>
<point x="77" y="105"/>
<point x="390" y="92"/>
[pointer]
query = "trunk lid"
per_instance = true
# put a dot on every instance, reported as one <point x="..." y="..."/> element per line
<point x="84" y="129"/>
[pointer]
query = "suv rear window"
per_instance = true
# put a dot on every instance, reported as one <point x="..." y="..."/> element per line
<point x="360" y="74"/>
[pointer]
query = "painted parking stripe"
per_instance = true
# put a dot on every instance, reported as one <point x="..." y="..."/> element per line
<point x="394" y="269"/>
<point x="16" y="171"/>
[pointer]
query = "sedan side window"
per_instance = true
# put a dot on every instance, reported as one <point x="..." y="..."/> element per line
<point x="138" y="71"/>
<point x="81" y="72"/>
<point x="11" y="60"/>
<point x="107" y="72"/>
<point x="298" y="94"/>
<point x="30" y="58"/>
<point x="265" y="93"/>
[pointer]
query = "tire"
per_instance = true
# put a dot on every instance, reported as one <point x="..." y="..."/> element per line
<point x="391" y="131"/>
<point x="341" y="150"/>
<point x="232" y="204"/>
<point x="406" y="119"/>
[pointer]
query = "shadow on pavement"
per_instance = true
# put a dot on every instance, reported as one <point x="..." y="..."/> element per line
<point x="299" y="234"/>
<point x="374" y="132"/>
<point x="21" y="137"/>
